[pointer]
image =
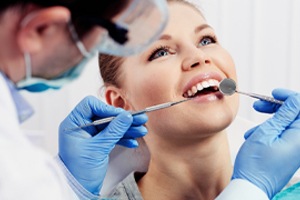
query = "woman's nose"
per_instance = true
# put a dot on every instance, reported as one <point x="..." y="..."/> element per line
<point x="195" y="58"/>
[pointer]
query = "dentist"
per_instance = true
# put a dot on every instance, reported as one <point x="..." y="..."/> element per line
<point x="45" y="44"/>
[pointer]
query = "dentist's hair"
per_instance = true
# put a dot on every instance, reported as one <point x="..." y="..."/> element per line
<point x="89" y="10"/>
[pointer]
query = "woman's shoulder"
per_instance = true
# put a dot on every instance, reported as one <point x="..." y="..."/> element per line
<point x="127" y="189"/>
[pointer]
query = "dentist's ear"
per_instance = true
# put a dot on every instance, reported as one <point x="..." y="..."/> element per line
<point x="41" y="26"/>
<point x="114" y="97"/>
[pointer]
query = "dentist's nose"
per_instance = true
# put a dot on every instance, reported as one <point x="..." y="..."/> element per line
<point x="195" y="57"/>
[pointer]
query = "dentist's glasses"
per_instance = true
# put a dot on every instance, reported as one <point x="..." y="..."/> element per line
<point x="132" y="30"/>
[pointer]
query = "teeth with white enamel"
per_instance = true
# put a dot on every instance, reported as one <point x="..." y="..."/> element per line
<point x="205" y="84"/>
<point x="189" y="93"/>
<point x="211" y="82"/>
<point x="200" y="86"/>
<point x="194" y="89"/>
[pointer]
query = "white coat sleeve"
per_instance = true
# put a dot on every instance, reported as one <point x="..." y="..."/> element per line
<point x="241" y="189"/>
<point x="80" y="191"/>
<point x="26" y="171"/>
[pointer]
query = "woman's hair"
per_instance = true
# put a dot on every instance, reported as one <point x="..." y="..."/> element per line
<point x="110" y="65"/>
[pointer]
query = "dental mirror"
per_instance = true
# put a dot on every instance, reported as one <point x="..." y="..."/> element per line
<point x="228" y="87"/>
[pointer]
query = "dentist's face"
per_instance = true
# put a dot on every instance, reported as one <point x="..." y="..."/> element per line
<point x="187" y="61"/>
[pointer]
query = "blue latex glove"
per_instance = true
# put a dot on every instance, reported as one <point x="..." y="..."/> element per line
<point x="86" y="152"/>
<point x="270" y="155"/>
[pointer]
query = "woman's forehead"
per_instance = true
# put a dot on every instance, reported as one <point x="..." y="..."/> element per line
<point x="182" y="15"/>
<point x="184" y="6"/>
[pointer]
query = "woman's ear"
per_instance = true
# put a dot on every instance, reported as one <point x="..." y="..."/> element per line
<point x="41" y="25"/>
<point x="114" y="97"/>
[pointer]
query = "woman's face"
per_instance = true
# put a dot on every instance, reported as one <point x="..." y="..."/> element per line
<point x="186" y="57"/>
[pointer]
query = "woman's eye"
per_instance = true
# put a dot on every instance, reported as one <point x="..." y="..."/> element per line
<point x="162" y="51"/>
<point x="207" y="40"/>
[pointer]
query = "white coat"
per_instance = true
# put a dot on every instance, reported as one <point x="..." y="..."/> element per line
<point x="26" y="172"/>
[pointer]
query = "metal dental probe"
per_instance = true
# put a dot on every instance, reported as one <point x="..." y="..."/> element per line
<point x="228" y="87"/>
<point x="148" y="109"/>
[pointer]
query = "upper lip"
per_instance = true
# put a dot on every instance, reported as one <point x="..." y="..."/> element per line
<point x="200" y="78"/>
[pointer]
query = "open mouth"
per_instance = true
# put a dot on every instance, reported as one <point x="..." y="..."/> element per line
<point x="202" y="88"/>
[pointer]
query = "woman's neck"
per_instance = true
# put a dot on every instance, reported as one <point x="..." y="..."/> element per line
<point x="197" y="171"/>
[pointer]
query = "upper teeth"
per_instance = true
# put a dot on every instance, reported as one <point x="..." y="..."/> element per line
<point x="200" y="86"/>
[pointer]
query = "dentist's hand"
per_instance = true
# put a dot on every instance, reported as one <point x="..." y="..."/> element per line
<point x="270" y="155"/>
<point x="85" y="152"/>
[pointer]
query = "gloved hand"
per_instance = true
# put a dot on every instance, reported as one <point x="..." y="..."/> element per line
<point x="270" y="155"/>
<point x="85" y="152"/>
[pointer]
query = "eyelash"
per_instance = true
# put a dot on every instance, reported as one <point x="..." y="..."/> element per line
<point x="167" y="48"/>
<point x="213" y="38"/>
<point x="156" y="50"/>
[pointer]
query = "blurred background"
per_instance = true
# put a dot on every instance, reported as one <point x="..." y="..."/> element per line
<point x="261" y="35"/>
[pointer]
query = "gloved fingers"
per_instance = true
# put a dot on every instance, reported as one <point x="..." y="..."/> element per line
<point x="135" y="132"/>
<point x="265" y="106"/>
<point x="292" y="135"/>
<point x="268" y="107"/>
<point x="67" y="127"/>
<point x="86" y="111"/>
<point x="290" y="110"/>
<point x="82" y="134"/>
<point x="281" y="120"/>
<point x="282" y="94"/>
<point x="139" y="119"/>
<point x="91" y="108"/>
<point x="249" y="132"/>
<point x="262" y="134"/>
<point x="129" y="143"/>
<point x="117" y="128"/>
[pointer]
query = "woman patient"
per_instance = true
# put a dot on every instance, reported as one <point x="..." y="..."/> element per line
<point x="188" y="145"/>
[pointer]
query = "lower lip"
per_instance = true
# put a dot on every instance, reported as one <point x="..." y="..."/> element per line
<point x="216" y="96"/>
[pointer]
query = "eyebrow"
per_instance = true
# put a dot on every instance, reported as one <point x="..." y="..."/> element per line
<point x="201" y="27"/>
<point x="197" y="29"/>
<point x="165" y="37"/>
